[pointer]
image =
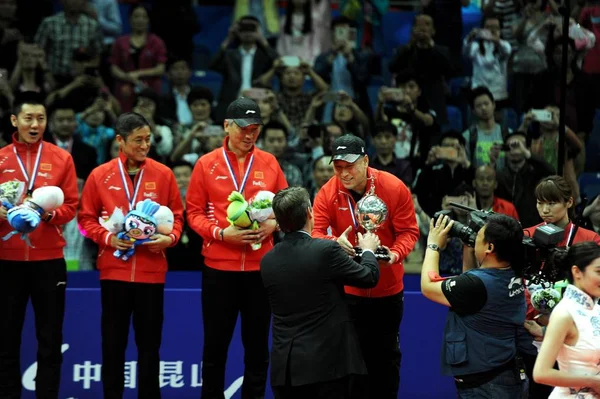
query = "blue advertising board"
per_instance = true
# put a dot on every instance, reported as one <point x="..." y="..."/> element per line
<point x="181" y="351"/>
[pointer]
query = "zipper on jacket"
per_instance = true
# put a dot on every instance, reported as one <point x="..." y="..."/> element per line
<point x="27" y="187"/>
<point x="133" y="269"/>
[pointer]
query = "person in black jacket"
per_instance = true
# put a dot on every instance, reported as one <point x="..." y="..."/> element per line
<point x="315" y="348"/>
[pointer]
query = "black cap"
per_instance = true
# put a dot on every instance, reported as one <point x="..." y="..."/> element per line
<point x="244" y="112"/>
<point x="348" y="148"/>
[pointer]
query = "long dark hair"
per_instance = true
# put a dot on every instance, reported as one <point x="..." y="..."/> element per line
<point x="581" y="255"/>
<point x="289" y="11"/>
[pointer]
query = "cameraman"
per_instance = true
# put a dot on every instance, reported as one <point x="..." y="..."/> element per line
<point x="487" y="309"/>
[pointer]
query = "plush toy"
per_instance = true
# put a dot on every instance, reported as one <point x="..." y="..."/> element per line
<point x="147" y="219"/>
<point x="244" y="214"/>
<point x="26" y="217"/>
<point x="237" y="213"/>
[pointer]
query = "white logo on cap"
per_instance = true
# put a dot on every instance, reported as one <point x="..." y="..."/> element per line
<point x="250" y="112"/>
<point x="341" y="147"/>
<point x="362" y="149"/>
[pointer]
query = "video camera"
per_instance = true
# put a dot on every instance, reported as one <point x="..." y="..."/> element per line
<point x="536" y="249"/>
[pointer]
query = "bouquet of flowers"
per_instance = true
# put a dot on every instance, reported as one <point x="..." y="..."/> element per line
<point x="544" y="299"/>
<point x="11" y="193"/>
<point x="249" y="214"/>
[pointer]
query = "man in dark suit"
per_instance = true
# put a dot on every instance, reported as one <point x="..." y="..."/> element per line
<point x="245" y="56"/>
<point x="315" y="348"/>
<point x="62" y="133"/>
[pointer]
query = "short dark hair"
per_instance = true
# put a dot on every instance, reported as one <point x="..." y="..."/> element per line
<point x="581" y="255"/>
<point x="506" y="234"/>
<point x="149" y="94"/>
<point x="179" y="163"/>
<point x="128" y="122"/>
<point x="27" y="97"/>
<point x="275" y="125"/>
<point x="383" y="127"/>
<point x="407" y="76"/>
<point x="316" y="161"/>
<point x="200" y="93"/>
<point x="453" y="134"/>
<point x="481" y="91"/>
<point x="173" y="59"/>
<point x="342" y="20"/>
<point x="289" y="206"/>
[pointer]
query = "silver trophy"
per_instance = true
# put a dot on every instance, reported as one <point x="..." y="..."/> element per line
<point x="371" y="212"/>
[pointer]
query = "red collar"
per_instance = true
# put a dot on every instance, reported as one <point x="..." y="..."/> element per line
<point x="229" y="152"/>
<point x="24" y="146"/>
<point x="123" y="158"/>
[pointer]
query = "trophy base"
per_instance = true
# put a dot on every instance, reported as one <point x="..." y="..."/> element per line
<point x="380" y="253"/>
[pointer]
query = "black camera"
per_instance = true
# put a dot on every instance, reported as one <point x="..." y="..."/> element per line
<point x="467" y="233"/>
<point x="537" y="249"/>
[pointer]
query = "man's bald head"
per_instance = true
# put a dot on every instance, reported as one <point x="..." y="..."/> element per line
<point x="485" y="181"/>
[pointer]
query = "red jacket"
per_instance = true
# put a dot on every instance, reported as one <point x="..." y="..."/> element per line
<point x="505" y="207"/>
<point x="206" y="204"/>
<point x="582" y="235"/>
<point x="56" y="168"/>
<point x="332" y="208"/>
<point x="103" y="192"/>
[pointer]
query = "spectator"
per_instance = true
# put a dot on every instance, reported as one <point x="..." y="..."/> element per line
<point x="275" y="139"/>
<point x="137" y="60"/>
<point x="31" y="72"/>
<point x="518" y="178"/>
<point x="162" y="136"/>
<point x="430" y="61"/>
<point x="322" y="171"/>
<point x="270" y="110"/>
<point x="446" y="168"/>
<point x="344" y="68"/>
<point x="174" y="107"/>
<point x="107" y="13"/>
<point x="243" y="65"/>
<point x="264" y="12"/>
<point x="86" y="85"/>
<point x="527" y="63"/>
<point x="448" y="25"/>
<point x="62" y="132"/>
<point x="187" y="138"/>
<point x="485" y="137"/>
<point x="484" y="184"/>
<point x="489" y="55"/>
<point x="294" y="100"/>
<point x="92" y="129"/>
<point x="415" y="122"/>
<point x="83" y="32"/>
<point x="384" y="138"/>
<point x="303" y="35"/>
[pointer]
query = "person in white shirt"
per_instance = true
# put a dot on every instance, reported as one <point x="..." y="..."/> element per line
<point x="489" y="55"/>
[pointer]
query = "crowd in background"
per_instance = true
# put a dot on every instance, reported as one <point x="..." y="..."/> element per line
<point x="310" y="65"/>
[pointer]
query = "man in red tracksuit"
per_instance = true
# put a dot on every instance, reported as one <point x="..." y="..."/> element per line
<point x="377" y="312"/>
<point x="231" y="282"/>
<point x="38" y="271"/>
<point x="132" y="288"/>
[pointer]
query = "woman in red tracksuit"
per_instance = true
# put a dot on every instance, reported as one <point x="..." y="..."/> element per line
<point x="135" y="286"/>
<point x="555" y="205"/>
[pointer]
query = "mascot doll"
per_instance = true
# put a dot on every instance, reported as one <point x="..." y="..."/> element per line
<point x="147" y="219"/>
<point x="26" y="217"/>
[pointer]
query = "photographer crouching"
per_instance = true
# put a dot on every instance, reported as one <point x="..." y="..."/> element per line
<point x="487" y="306"/>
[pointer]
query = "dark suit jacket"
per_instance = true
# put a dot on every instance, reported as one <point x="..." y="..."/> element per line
<point x="229" y="64"/>
<point x="84" y="156"/>
<point x="313" y="334"/>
